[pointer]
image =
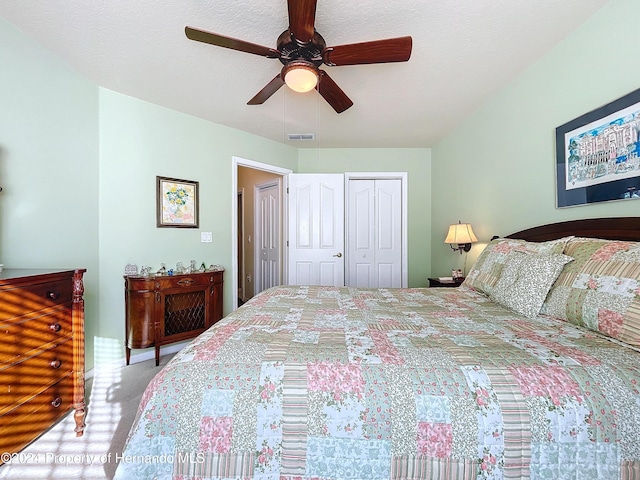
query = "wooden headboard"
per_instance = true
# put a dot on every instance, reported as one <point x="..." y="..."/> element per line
<point x="615" y="228"/>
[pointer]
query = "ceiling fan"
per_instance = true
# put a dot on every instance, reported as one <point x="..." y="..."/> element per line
<point x="302" y="50"/>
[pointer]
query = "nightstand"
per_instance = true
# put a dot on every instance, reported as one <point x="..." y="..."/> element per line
<point x="435" y="282"/>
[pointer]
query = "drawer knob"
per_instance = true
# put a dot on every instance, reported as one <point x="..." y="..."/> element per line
<point x="55" y="327"/>
<point x="56" y="402"/>
<point x="53" y="295"/>
<point x="55" y="363"/>
<point x="185" y="282"/>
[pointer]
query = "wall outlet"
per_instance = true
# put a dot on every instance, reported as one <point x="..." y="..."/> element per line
<point x="206" y="237"/>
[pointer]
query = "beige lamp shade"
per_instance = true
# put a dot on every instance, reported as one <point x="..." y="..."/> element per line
<point x="300" y="76"/>
<point x="462" y="235"/>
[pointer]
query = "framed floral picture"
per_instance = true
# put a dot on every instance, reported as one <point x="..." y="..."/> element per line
<point x="176" y="203"/>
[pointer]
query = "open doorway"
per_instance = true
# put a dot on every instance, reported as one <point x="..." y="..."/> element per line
<point x="248" y="176"/>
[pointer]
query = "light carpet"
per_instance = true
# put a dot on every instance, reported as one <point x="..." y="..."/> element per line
<point x="113" y="396"/>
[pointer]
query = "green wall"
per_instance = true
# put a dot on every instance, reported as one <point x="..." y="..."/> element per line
<point x="48" y="165"/>
<point x="139" y="140"/>
<point x="501" y="160"/>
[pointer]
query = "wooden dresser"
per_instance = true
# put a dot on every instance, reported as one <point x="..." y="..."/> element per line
<point x="162" y="309"/>
<point x="41" y="352"/>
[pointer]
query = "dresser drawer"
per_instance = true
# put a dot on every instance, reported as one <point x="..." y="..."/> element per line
<point x="22" y="335"/>
<point x="27" y="421"/>
<point x="15" y="302"/>
<point x="22" y="380"/>
<point x="184" y="281"/>
<point x="41" y="352"/>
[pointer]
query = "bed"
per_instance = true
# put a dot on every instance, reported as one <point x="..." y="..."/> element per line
<point x="530" y="369"/>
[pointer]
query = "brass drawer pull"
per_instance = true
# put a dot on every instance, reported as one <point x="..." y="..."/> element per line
<point x="53" y="295"/>
<point x="57" y="402"/>
<point x="57" y="363"/>
<point x="185" y="282"/>
<point x="55" y="327"/>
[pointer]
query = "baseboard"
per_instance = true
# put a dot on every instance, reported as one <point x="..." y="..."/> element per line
<point x="151" y="354"/>
<point x="141" y="357"/>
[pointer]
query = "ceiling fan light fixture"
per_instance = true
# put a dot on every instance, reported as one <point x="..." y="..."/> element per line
<point x="300" y="76"/>
<point x="302" y="50"/>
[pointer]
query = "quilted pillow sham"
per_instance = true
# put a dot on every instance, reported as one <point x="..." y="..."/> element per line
<point x="488" y="267"/>
<point x="526" y="279"/>
<point x="600" y="289"/>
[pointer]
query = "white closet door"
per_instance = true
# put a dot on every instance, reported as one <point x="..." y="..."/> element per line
<point x="316" y="229"/>
<point x="360" y="246"/>
<point x="374" y="250"/>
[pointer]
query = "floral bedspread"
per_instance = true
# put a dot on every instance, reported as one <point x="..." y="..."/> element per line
<point x="362" y="384"/>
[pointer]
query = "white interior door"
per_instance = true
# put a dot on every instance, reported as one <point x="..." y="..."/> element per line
<point x="316" y="229"/>
<point x="375" y="233"/>
<point x="267" y="233"/>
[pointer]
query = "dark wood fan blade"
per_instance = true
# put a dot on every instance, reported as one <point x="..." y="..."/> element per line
<point x="228" y="42"/>
<point x="377" y="51"/>
<point x="302" y="18"/>
<point x="269" y="89"/>
<point x="332" y="93"/>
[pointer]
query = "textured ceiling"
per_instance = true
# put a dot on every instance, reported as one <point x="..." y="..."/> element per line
<point x="463" y="52"/>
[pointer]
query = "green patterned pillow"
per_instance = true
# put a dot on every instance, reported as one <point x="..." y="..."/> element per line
<point x="600" y="289"/>
<point x="488" y="267"/>
<point x="526" y="279"/>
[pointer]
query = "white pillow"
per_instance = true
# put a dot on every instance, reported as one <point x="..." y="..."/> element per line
<point x="526" y="279"/>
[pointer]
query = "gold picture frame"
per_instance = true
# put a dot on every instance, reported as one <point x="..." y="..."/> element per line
<point x="177" y="203"/>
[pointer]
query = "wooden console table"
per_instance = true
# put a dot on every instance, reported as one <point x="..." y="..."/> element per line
<point x="162" y="309"/>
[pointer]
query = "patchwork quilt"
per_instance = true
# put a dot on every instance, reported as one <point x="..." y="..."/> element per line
<point x="362" y="384"/>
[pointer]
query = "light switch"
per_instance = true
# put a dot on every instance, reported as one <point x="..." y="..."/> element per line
<point x="206" y="237"/>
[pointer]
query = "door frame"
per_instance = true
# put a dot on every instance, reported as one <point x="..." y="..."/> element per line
<point x="244" y="162"/>
<point x="403" y="177"/>
<point x="240" y="248"/>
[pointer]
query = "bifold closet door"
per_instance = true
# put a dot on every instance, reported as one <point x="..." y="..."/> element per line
<point x="374" y="238"/>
